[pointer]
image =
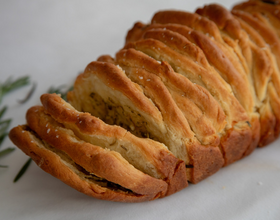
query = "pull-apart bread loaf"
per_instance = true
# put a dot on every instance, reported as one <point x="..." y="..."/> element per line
<point x="188" y="94"/>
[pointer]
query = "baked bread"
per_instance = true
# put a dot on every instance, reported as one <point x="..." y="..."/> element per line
<point x="188" y="94"/>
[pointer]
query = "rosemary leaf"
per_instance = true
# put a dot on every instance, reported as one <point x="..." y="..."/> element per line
<point x="22" y="170"/>
<point x="3" y="166"/>
<point x="6" y="151"/>
<point x="29" y="94"/>
<point x="2" y="111"/>
<point x="10" y="85"/>
<point x="4" y="125"/>
<point x="2" y="137"/>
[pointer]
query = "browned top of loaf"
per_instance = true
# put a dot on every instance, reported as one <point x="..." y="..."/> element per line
<point x="256" y="6"/>
<point x="239" y="82"/>
<point x="227" y="23"/>
<point x="266" y="31"/>
<point x="192" y="20"/>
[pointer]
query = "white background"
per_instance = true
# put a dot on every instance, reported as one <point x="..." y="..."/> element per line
<point x="52" y="41"/>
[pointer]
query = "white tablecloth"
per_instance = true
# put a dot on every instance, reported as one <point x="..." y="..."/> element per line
<point x="52" y="41"/>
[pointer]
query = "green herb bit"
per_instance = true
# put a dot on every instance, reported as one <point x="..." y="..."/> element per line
<point x="29" y="94"/>
<point x="2" y="111"/>
<point x="10" y="85"/>
<point x="6" y="151"/>
<point x="23" y="170"/>
<point x="3" y="166"/>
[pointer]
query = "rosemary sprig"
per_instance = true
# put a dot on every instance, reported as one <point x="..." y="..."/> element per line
<point x="10" y="85"/>
<point x="4" y="125"/>
<point x="6" y="151"/>
<point x="2" y="111"/>
<point x="22" y="170"/>
<point x="29" y="94"/>
<point x="6" y="87"/>
<point x="2" y="137"/>
<point x="3" y="131"/>
<point x="62" y="90"/>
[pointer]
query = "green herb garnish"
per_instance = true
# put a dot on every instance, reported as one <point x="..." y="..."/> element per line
<point x="22" y="170"/>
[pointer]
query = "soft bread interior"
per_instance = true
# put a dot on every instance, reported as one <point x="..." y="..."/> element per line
<point x="125" y="113"/>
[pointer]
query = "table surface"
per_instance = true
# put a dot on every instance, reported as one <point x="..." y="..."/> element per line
<point x="52" y="41"/>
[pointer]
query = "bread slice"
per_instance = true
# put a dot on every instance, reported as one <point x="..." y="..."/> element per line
<point x="170" y="127"/>
<point x="103" y="163"/>
<point x="146" y="155"/>
<point x="59" y="165"/>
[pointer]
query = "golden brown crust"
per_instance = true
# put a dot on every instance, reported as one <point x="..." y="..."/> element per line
<point x="235" y="143"/>
<point x="51" y="163"/>
<point x="230" y="27"/>
<point x="167" y="166"/>
<point x="192" y="20"/>
<point x="206" y="161"/>
<point x="259" y="71"/>
<point x="106" y="58"/>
